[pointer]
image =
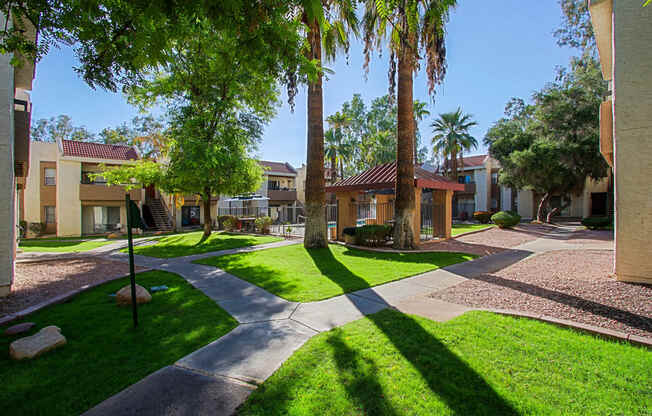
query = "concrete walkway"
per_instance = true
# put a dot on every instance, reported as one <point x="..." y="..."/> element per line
<point x="217" y="378"/>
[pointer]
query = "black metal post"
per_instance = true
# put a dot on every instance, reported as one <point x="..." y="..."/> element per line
<point x="132" y="274"/>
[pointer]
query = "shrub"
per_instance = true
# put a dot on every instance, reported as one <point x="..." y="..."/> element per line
<point x="350" y="231"/>
<point x="222" y="218"/>
<point x="482" y="216"/>
<point x="372" y="235"/>
<point x="37" y="227"/>
<point x="594" y="223"/>
<point x="504" y="219"/>
<point x="231" y="224"/>
<point x="262" y="224"/>
<point x="22" y="229"/>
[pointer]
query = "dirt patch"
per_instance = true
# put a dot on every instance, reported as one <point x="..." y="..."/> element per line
<point x="37" y="282"/>
<point x="577" y="285"/>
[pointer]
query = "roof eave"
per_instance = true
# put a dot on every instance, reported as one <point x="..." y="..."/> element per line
<point x="602" y="20"/>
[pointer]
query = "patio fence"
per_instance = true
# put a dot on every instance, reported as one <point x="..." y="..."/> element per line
<point x="286" y="221"/>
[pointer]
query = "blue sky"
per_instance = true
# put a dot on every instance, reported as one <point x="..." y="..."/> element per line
<point x="496" y="50"/>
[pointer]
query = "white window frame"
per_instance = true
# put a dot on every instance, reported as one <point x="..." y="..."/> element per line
<point x="54" y="214"/>
<point x="53" y="178"/>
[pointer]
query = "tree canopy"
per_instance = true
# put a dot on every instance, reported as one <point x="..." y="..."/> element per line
<point x="551" y="145"/>
<point x="58" y="128"/>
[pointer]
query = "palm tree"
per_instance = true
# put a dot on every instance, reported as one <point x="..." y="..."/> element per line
<point x="331" y="150"/>
<point x="420" y="112"/>
<point x="327" y="23"/>
<point x="339" y="123"/>
<point x="411" y="27"/>
<point x="451" y="138"/>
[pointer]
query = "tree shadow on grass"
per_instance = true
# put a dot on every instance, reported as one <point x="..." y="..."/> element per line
<point x="447" y="376"/>
<point x="439" y="259"/>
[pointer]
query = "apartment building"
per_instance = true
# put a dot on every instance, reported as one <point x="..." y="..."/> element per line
<point x="277" y="193"/>
<point x="61" y="194"/>
<point x="15" y="118"/>
<point x="623" y="32"/>
<point x="330" y="177"/>
<point x="482" y="192"/>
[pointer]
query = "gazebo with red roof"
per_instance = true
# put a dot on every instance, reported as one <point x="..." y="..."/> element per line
<point x="379" y="182"/>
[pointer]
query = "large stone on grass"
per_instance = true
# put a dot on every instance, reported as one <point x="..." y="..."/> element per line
<point x="43" y="341"/>
<point x="123" y="297"/>
<point x="19" y="328"/>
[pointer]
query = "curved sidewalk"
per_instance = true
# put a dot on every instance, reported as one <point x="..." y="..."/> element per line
<point x="217" y="378"/>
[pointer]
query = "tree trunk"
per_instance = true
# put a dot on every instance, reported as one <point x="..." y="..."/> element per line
<point x="542" y="204"/>
<point x="315" y="229"/>
<point x="333" y="169"/>
<point x="405" y="193"/>
<point x="454" y="169"/>
<point x="208" y="221"/>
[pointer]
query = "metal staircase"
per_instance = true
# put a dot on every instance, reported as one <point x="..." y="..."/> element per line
<point x="159" y="215"/>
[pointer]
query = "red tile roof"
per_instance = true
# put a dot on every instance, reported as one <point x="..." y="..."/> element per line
<point x="384" y="176"/>
<point x="470" y="161"/>
<point x="278" y="167"/>
<point x="98" y="150"/>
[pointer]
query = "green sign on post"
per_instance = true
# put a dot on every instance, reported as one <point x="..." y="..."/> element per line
<point x="132" y="273"/>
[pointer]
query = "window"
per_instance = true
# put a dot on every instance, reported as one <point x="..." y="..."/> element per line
<point x="50" y="176"/>
<point x="106" y="219"/>
<point x="190" y="215"/>
<point x="494" y="178"/>
<point x="465" y="179"/>
<point x="273" y="185"/>
<point x="50" y="215"/>
<point x="86" y="178"/>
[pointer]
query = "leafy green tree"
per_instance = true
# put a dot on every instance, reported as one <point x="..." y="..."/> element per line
<point x="216" y="115"/>
<point x="146" y="133"/>
<point x="576" y="29"/>
<point x="452" y="138"/>
<point x="552" y="145"/>
<point x="410" y="27"/>
<point x="116" y="41"/>
<point x="59" y="128"/>
<point x="327" y="26"/>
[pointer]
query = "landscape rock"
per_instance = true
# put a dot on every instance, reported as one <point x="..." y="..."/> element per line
<point x="19" y="328"/>
<point x="43" y="341"/>
<point x="123" y="297"/>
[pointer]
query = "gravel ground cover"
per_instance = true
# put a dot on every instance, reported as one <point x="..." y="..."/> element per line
<point x="490" y="241"/>
<point x="39" y="281"/>
<point x="577" y="285"/>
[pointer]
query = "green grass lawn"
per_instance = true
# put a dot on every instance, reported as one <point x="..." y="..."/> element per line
<point x="465" y="228"/>
<point x="104" y="353"/>
<point x="60" y="246"/>
<point x="476" y="364"/>
<point x="301" y="275"/>
<point x="190" y="243"/>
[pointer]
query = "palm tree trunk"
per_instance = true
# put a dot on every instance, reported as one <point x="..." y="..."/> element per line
<point x="454" y="169"/>
<point x="315" y="230"/>
<point x="404" y="237"/>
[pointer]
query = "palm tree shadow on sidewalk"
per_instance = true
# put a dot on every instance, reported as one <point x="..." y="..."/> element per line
<point x="448" y="377"/>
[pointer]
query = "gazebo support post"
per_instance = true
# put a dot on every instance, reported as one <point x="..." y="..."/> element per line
<point x="346" y="215"/>
<point x="416" y="222"/>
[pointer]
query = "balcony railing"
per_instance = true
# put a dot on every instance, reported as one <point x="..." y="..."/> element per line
<point x="286" y="194"/>
<point x="102" y="192"/>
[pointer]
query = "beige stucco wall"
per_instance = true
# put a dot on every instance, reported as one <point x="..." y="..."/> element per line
<point x="7" y="184"/>
<point x="632" y="86"/>
<point x="68" y="204"/>
<point x="39" y="151"/>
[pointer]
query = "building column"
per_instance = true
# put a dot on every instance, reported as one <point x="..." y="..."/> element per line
<point x="416" y="222"/>
<point x="7" y="180"/>
<point x="632" y="106"/>
<point x="346" y="215"/>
